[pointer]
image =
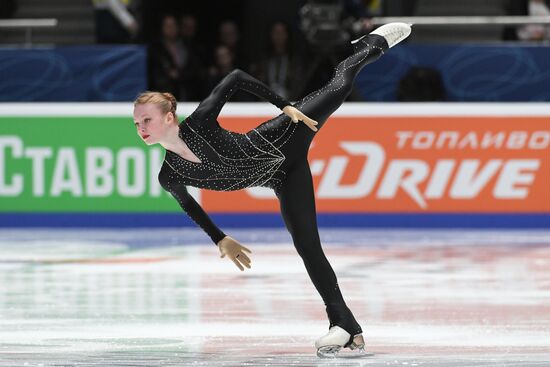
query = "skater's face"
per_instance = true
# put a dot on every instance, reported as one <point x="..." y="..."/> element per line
<point x="151" y="123"/>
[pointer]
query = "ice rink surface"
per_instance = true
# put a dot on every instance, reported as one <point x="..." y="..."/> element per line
<point x="163" y="297"/>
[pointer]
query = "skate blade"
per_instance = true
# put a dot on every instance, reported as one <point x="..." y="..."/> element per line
<point x="329" y="351"/>
<point x="357" y="343"/>
<point x="336" y="352"/>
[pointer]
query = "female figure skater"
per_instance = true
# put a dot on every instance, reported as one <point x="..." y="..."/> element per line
<point x="200" y="153"/>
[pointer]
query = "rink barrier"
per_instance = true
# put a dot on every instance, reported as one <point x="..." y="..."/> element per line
<point x="393" y="165"/>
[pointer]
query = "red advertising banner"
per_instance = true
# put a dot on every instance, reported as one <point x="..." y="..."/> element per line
<point x="416" y="164"/>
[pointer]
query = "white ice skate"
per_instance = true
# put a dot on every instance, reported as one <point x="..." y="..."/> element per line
<point x="337" y="338"/>
<point x="392" y="32"/>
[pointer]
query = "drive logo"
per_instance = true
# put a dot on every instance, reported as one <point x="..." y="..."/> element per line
<point x="431" y="164"/>
<point x="408" y="175"/>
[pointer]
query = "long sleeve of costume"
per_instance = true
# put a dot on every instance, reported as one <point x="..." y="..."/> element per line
<point x="196" y="212"/>
<point x="210" y="107"/>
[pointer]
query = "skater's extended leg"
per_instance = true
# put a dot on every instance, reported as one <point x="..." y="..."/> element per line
<point x="320" y="104"/>
<point x="297" y="203"/>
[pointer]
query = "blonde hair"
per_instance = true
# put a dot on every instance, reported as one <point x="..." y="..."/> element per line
<point x="165" y="101"/>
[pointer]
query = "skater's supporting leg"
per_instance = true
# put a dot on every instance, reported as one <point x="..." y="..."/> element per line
<point x="297" y="202"/>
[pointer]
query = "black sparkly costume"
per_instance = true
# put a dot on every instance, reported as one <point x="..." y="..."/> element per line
<point x="274" y="154"/>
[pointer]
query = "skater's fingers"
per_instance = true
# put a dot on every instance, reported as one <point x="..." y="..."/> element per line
<point x="245" y="263"/>
<point x="246" y="249"/>
<point x="238" y="264"/>
<point x="310" y="125"/>
<point x="302" y="116"/>
<point x="313" y="122"/>
<point x="309" y="122"/>
<point x="244" y="258"/>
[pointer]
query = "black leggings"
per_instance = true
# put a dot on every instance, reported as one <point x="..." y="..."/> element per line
<point x="296" y="196"/>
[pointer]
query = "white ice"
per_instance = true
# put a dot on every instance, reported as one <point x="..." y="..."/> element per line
<point x="163" y="297"/>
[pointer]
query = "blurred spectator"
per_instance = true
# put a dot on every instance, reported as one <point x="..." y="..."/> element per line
<point x="114" y="23"/>
<point x="192" y="73"/>
<point x="168" y="58"/>
<point x="421" y="84"/>
<point x="279" y="67"/>
<point x="224" y="63"/>
<point x="188" y="31"/>
<point x="528" y="32"/>
<point x="195" y="70"/>
<point x="229" y="36"/>
<point x="7" y="8"/>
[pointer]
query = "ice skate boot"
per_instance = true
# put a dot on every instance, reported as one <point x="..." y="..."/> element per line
<point x="393" y="33"/>
<point x="337" y="338"/>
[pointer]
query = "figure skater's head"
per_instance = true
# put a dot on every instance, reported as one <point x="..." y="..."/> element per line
<point x="154" y="114"/>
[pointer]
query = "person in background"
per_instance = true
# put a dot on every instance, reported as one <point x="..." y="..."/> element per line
<point x="227" y="56"/>
<point x="188" y="31"/>
<point x="279" y="67"/>
<point x="193" y="74"/>
<point x="229" y="36"/>
<point x="114" y="23"/>
<point x="224" y="63"/>
<point x="528" y="32"/>
<point x="168" y="58"/>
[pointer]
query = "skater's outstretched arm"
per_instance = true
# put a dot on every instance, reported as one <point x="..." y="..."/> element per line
<point x="210" y="107"/>
<point x="195" y="212"/>
<point x="228" y="246"/>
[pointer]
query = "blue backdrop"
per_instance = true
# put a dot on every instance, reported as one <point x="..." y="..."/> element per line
<point x="510" y="72"/>
<point x="83" y="73"/>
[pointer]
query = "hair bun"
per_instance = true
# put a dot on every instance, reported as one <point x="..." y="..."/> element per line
<point x="170" y="97"/>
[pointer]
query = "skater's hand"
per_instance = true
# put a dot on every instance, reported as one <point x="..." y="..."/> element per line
<point x="296" y="115"/>
<point x="234" y="251"/>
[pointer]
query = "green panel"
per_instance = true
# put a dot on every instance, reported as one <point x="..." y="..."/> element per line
<point x="53" y="158"/>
